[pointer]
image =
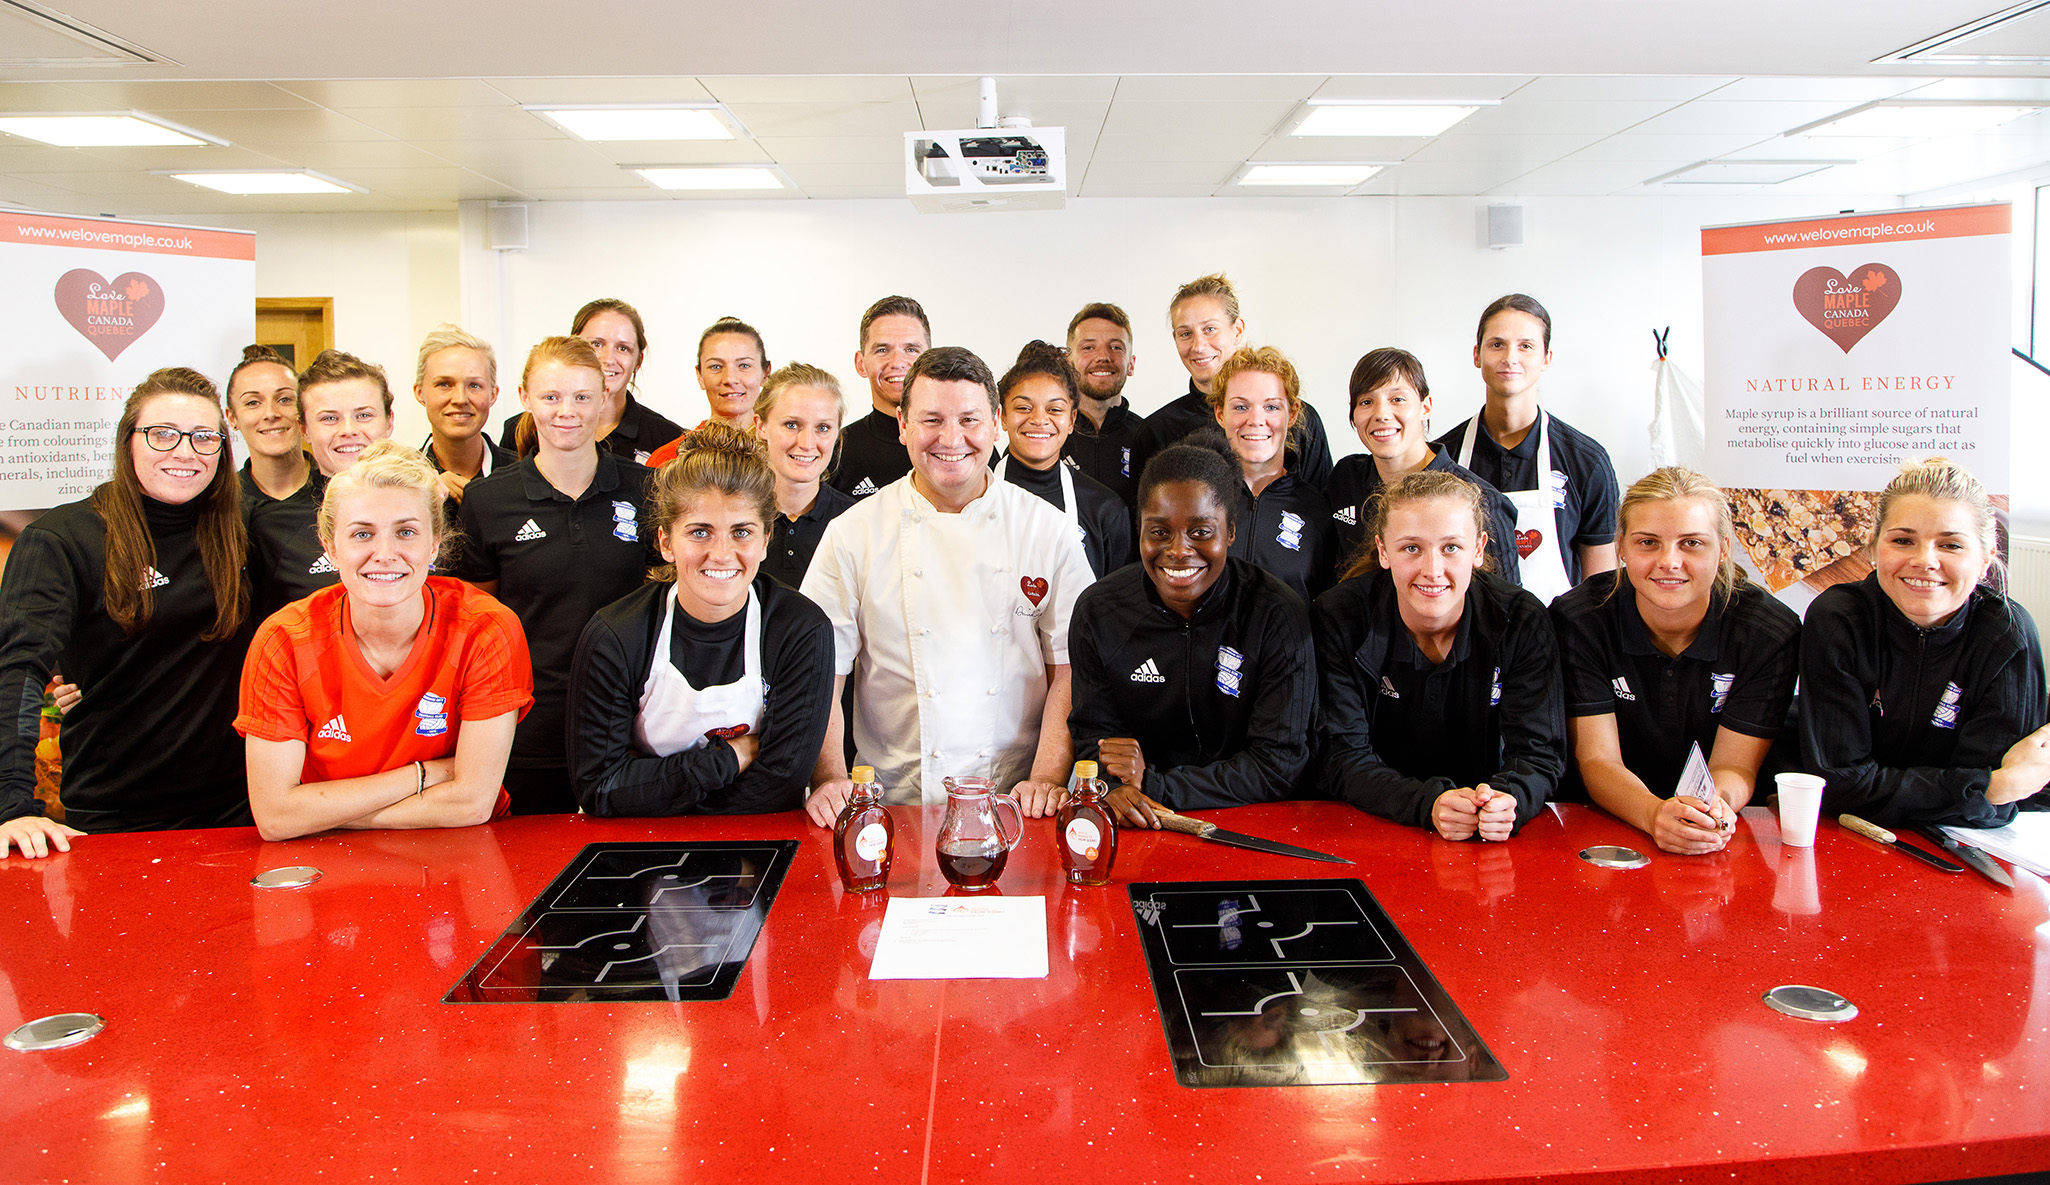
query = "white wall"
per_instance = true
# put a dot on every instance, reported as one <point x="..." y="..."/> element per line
<point x="1324" y="279"/>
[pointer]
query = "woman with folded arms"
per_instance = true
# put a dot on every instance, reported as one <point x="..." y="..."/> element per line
<point x="1258" y="401"/>
<point x="556" y="537"/>
<point x="1039" y="394"/>
<point x="706" y="691"/>
<point x="1440" y="703"/>
<point x="1672" y="651"/>
<point x="1194" y="677"/>
<point x="388" y="701"/>
<point x="1391" y="414"/>
<point x="138" y="592"/>
<point x="1922" y="698"/>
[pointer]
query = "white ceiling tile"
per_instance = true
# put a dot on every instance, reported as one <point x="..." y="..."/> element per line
<point x="809" y="89"/>
<point x="1141" y="188"/>
<point x="23" y="97"/>
<point x="1216" y="118"/>
<point x="269" y="128"/>
<point x="602" y="90"/>
<point x="1454" y="177"/>
<point x="1582" y="177"/>
<point x="851" y="192"/>
<point x="457" y="123"/>
<point x="639" y="191"/>
<point x="211" y="156"/>
<point x="1519" y="115"/>
<point x="1192" y="177"/>
<point x="1631" y="146"/>
<point x="853" y="174"/>
<point x="1673" y="88"/>
<point x="833" y="150"/>
<point x="1812" y="90"/>
<point x="1083" y="119"/>
<point x="1215" y="88"/>
<point x="401" y="92"/>
<point x="1026" y="88"/>
<point x="1984" y="88"/>
<point x="828" y="118"/>
<point x="1818" y="148"/>
<point x="1436" y="88"/>
<point x="520" y="164"/>
<point x="123" y="182"/>
<point x="1531" y="147"/>
<point x="1169" y="147"/>
<point x="355" y="154"/>
<point x="32" y="194"/>
<point x="1707" y="116"/>
<point x="186" y="96"/>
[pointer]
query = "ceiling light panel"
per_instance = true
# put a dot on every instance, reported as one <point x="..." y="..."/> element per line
<point x="1916" y="121"/>
<point x="114" y="130"/>
<point x="266" y="182"/>
<point x="707" y="178"/>
<point x="699" y="121"/>
<point x="1381" y="119"/>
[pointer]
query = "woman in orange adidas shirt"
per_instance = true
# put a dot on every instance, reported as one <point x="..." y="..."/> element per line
<point x="389" y="700"/>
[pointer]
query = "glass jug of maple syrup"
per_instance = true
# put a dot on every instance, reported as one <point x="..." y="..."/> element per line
<point x="974" y="843"/>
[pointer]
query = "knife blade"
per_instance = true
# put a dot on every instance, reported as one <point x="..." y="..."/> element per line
<point x="1977" y="860"/>
<point x="1873" y="831"/>
<point x="1170" y="821"/>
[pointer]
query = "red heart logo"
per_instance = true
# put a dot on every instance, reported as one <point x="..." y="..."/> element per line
<point x="110" y="316"/>
<point x="1034" y="587"/>
<point x="1846" y="308"/>
<point x="729" y="732"/>
<point x="1527" y="542"/>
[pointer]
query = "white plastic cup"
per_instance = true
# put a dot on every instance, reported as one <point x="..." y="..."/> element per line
<point x="1800" y="806"/>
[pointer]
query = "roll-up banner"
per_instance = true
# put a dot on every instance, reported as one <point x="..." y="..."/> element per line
<point x="89" y="308"/>
<point x="1838" y="350"/>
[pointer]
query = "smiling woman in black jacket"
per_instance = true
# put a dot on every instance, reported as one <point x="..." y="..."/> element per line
<point x="1922" y="695"/>
<point x="1194" y="679"/>
<point x="1442" y="704"/>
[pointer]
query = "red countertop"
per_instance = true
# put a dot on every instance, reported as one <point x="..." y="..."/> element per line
<point x="299" y="1034"/>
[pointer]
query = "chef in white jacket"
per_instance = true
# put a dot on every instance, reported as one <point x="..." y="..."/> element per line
<point x="949" y="594"/>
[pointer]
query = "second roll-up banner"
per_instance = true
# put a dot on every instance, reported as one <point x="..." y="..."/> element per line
<point x="1838" y="350"/>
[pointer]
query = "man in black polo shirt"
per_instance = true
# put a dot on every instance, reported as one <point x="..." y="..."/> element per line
<point x="1106" y="431"/>
<point x="894" y="332"/>
<point x="457" y="383"/>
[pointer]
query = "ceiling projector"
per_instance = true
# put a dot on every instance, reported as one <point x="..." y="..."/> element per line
<point x="988" y="168"/>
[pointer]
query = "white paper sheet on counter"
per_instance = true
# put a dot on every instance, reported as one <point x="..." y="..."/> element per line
<point x="2024" y="842"/>
<point x="962" y="938"/>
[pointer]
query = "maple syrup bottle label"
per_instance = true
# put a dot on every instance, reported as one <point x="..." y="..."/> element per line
<point x="871" y="841"/>
<point x="1084" y="839"/>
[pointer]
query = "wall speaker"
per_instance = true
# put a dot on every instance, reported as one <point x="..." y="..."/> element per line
<point x="505" y="228"/>
<point x="1505" y="226"/>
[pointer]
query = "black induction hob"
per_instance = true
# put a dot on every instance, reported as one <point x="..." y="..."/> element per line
<point x="1297" y="983"/>
<point x="635" y="921"/>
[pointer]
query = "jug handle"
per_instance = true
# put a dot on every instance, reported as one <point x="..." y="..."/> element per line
<point x="1000" y="799"/>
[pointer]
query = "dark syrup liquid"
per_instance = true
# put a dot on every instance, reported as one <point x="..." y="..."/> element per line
<point x="970" y="866"/>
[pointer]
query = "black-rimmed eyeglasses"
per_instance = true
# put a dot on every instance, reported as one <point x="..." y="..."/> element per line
<point x="205" y="441"/>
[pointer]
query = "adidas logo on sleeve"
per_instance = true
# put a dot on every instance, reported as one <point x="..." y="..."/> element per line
<point x="530" y="532"/>
<point x="1621" y="686"/>
<point x="1148" y="673"/>
<point x="334" y="730"/>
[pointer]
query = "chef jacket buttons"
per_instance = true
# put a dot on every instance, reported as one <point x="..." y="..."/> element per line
<point x="996" y="629"/>
<point x="918" y="571"/>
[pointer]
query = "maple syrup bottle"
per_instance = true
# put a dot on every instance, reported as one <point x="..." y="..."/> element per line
<point x="1089" y="836"/>
<point x="864" y="835"/>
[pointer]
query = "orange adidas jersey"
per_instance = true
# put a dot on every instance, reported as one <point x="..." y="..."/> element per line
<point x="305" y="680"/>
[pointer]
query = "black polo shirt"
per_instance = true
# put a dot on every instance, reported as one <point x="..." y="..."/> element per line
<point x="1106" y="453"/>
<point x="1355" y="479"/>
<point x="1286" y="529"/>
<point x="1309" y="458"/>
<point x="1738" y="673"/>
<point x="641" y="431"/>
<point x="1587" y="518"/>
<point x="495" y="456"/>
<point x="286" y="560"/>
<point x="1907" y="724"/>
<point x="253" y="495"/>
<point x="557" y="561"/>
<point x="1105" y="523"/>
<point x="1398" y="731"/>
<point x="792" y="542"/>
<point x="871" y="456"/>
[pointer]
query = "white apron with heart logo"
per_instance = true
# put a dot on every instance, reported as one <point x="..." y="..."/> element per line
<point x="1543" y="568"/>
<point x="675" y="716"/>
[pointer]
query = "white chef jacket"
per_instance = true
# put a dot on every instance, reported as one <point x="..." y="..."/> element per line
<point x="945" y="625"/>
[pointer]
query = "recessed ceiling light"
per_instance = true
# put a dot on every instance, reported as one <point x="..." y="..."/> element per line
<point x="695" y="121"/>
<point x="713" y="177"/>
<point x="1910" y="120"/>
<point x="298" y="181"/>
<point x="1327" y="175"/>
<point x="1338" y="118"/>
<point x="1744" y="172"/>
<point x="112" y="130"/>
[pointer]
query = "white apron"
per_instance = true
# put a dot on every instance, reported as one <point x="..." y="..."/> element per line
<point x="675" y="716"/>
<point x="1068" y="506"/>
<point x="1543" y="566"/>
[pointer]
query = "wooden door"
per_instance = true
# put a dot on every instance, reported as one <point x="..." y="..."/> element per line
<point x="298" y="327"/>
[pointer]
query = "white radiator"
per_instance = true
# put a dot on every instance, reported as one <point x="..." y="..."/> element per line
<point x="2028" y="576"/>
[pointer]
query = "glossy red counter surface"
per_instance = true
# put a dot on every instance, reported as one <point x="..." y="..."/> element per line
<point x="299" y="1035"/>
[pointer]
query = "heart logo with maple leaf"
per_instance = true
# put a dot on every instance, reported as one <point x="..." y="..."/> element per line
<point x="1527" y="542"/>
<point x="1034" y="588"/>
<point x="110" y="316"/>
<point x="1846" y="308"/>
